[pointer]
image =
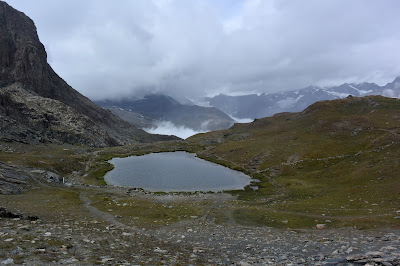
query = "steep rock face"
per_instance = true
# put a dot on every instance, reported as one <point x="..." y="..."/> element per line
<point x="30" y="118"/>
<point x="23" y="59"/>
<point x="12" y="180"/>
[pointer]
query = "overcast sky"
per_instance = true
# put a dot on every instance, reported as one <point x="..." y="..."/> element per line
<point x="194" y="48"/>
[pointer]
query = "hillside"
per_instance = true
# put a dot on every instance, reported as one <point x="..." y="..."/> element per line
<point x="323" y="173"/>
<point x="339" y="158"/>
<point x="23" y="65"/>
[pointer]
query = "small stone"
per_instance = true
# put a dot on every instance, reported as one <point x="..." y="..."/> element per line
<point x="334" y="261"/>
<point x="375" y="254"/>
<point x="8" y="261"/>
<point x="349" y="250"/>
<point x="9" y="240"/>
<point x="320" y="226"/>
<point x="389" y="248"/>
<point x="158" y="250"/>
<point x="47" y="234"/>
<point x="355" y="257"/>
<point x="198" y="250"/>
<point x="68" y="261"/>
<point x="335" y="252"/>
<point x="388" y="258"/>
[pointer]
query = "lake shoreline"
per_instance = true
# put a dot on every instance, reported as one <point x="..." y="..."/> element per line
<point x="185" y="173"/>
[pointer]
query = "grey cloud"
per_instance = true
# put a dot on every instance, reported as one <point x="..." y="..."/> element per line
<point x="197" y="47"/>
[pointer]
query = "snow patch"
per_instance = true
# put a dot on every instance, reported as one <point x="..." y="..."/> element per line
<point x="338" y="94"/>
<point x="359" y="91"/>
<point x="289" y="102"/>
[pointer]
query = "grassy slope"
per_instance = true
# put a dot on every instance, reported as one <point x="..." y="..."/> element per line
<point x="336" y="163"/>
<point x="337" y="159"/>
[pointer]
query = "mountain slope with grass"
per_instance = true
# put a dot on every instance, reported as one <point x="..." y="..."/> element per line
<point x="337" y="158"/>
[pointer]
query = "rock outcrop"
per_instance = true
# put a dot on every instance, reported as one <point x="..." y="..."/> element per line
<point x="24" y="71"/>
<point x="12" y="180"/>
<point x="29" y="118"/>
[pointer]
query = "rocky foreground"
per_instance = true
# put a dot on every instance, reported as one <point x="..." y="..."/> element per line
<point x="78" y="231"/>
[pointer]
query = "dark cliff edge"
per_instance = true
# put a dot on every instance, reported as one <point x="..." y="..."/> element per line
<point x="24" y="67"/>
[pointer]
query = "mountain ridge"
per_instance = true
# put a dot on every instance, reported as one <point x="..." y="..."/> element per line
<point x="154" y="108"/>
<point x="266" y="104"/>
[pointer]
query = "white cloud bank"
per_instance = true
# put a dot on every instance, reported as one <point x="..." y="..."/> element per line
<point x="200" y="47"/>
<point x="169" y="128"/>
<point x="242" y="120"/>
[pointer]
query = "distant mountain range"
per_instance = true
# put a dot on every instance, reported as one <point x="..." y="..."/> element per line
<point x="150" y="111"/>
<point x="153" y="109"/>
<point x="264" y="105"/>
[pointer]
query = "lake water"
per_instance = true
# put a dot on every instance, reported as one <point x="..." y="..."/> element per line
<point x="174" y="171"/>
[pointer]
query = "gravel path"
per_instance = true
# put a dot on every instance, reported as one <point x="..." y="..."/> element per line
<point x="86" y="235"/>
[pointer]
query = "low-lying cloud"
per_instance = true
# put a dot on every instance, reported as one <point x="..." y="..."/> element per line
<point x="191" y="48"/>
<point x="242" y="120"/>
<point x="169" y="128"/>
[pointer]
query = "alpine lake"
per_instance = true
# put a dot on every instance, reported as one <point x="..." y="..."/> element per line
<point x="174" y="172"/>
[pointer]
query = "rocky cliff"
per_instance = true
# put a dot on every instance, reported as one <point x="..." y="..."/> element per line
<point x="24" y="71"/>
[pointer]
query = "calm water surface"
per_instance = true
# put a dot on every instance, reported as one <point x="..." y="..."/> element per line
<point x="174" y="171"/>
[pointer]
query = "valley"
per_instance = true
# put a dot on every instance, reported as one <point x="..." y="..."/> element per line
<point x="349" y="190"/>
<point x="326" y="175"/>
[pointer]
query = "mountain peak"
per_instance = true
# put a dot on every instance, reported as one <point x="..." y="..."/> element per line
<point x="161" y="98"/>
<point x="396" y="80"/>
